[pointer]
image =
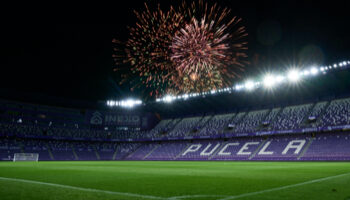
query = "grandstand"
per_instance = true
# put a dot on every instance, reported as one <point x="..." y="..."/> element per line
<point x="250" y="143"/>
<point x="153" y="146"/>
<point x="309" y="129"/>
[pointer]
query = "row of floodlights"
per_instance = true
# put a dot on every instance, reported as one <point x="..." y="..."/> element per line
<point x="129" y="103"/>
<point x="269" y="81"/>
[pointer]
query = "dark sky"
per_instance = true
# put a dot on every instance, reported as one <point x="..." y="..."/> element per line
<point x="74" y="60"/>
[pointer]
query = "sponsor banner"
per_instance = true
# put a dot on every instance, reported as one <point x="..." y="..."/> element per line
<point x="241" y="134"/>
<point x="285" y="131"/>
<point x="263" y="133"/>
<point x="307" y="130"/>
<point x="100" y="118"/>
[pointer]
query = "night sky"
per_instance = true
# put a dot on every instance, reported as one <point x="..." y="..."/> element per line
<point x="74" y="61"/>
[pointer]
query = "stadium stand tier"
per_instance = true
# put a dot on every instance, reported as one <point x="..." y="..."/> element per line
<point x="310" y="131"/>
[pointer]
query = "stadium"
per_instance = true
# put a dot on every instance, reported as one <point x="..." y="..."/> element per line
<point x="197" y="104"/>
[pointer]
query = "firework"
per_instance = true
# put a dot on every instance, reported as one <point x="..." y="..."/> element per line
<point x="147" y="50"/>
<point x="193" y="48"/>
<point x="210" y="47"/>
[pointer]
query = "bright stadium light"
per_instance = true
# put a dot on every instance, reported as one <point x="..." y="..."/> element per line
<point x="280" y="79"/>
<point x="238" y="87"/>
<point x="129" y="103"/>
<point x="168" y="99"/>
<point x="249" y="85"/>
<point x="269" y="81"/>
<point x="314" y="71"/>
<point x="306" y="72"/>
<point x="293" y="75"/>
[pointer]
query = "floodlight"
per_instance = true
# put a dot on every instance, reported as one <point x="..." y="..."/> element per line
<point x="280" y="79"/>
<point x="249" y="85"/>
<point x="269" y="81"/>
<point x="168" y="99"/>
<point x="128" y="103"/>
<point x="238" y="87"/>
<point x="314" y="71"/>
<point x="293" y="75"/>
<point x="306" y="73"/>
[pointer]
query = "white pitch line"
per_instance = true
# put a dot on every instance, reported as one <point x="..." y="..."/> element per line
<point x="284" y="187"/>
<point x="196" y="196"/>
<point x="81" y="189"/>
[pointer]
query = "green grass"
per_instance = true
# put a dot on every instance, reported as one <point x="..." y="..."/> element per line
<point x="170" y="179"/>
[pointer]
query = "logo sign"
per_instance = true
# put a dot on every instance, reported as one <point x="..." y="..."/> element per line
<point x="111" y="119"/>
<point x="96" y="118"/>
<point x="115" y="119"/>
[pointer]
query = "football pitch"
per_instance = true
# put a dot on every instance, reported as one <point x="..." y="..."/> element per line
<point x="79" y="180"/>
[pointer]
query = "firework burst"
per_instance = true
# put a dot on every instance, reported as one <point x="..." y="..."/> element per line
<point x="147" y="50"/>
<point x="210" y="47"/>
<point x="193" y="48"/>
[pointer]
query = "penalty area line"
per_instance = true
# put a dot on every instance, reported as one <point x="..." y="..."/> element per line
<point x="285" y="187"/>
<point x="80" y="188"/>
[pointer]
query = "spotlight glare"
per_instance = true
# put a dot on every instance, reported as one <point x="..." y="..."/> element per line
<point x="279" y="79"/>
<point x="168" y="99"/>
<point x="293" y="75"/>
<point x="314" y="71"/>
<point x="306" y="73"/>
<point x="238" y="87"/>
<point x="249" y="85"/>
<point x="269" y="81"/>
